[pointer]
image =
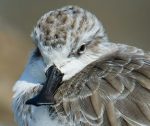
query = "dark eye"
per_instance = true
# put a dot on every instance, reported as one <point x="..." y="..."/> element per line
<point x="81" y="49"/>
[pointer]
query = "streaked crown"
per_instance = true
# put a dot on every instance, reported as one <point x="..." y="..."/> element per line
<point x="68" y="24"/>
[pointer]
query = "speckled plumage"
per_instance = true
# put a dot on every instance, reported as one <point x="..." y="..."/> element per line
<point x="68" y="24"/>
<point x="104" y="84"/>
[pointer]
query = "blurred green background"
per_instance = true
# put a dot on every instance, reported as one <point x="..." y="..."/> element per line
<point x="126" y="21"/>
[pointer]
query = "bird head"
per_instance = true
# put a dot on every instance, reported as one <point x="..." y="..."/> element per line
<point x="70" y="38"/>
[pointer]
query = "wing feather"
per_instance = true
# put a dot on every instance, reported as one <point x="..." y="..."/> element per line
<point x="131" y="110"/>
<point x="111" y="92"/>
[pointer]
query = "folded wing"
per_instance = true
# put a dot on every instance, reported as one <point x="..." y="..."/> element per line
<point x="112" y="92"/>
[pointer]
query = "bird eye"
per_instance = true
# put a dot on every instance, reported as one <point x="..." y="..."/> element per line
<point x="81" y="49"/>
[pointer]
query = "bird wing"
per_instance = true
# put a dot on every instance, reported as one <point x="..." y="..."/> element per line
<point x="111" y="92"/>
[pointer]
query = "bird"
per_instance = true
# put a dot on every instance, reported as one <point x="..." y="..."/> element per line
<point x="76" y="76"/>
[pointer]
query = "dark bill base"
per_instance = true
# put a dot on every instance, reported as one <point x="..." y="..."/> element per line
<point x="46" y="95"/>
